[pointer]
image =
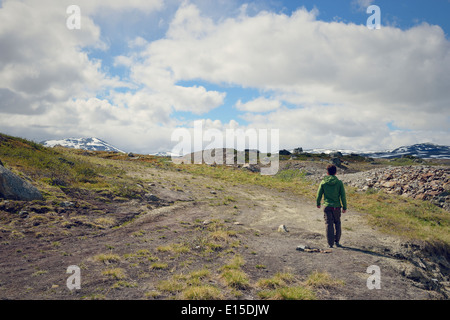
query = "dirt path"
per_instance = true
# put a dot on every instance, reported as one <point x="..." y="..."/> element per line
<point x="37" y="269"/>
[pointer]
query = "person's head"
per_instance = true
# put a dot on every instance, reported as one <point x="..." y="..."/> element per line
<point x="331" y="169"/>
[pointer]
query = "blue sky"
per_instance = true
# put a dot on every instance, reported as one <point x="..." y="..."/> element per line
<point x="137" y="70"/>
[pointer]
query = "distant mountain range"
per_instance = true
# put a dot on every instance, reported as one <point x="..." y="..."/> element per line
<point x="421" y="150"/>
<point x="93" y="144"/>
<point x="164" y="154"/>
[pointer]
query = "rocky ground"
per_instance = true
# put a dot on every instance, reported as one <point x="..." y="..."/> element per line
<point x="423" y="182"/>
<point x="429" y="183"/>
<point x="186" y="223"/>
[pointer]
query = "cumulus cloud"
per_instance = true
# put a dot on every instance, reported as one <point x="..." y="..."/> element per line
<point x="389" y="75"/>
<point x="260" y="104"/>
<point x="362" y="5"/>
<point x="330" y="84"/>
<point x="316" y="60"/>
<point x="49" y="85"/>
<point x="40" y="60"/>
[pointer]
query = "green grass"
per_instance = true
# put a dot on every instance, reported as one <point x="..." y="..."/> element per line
<point x="288" y="293"/>
<point x="159" y="266"/>
<point x="277" y="281"/>
<point x="55" y="167"/>
<point x="201" y="292"/>
<point x="236" y="279"/>
<point x="107" y="258"/>
<point x="290" y="175"/>
<point x="319" y="279"/>
<point x="284" y="286"/>
<point x="191" y="286"/>
<point x="68" y="168"/>
<point x="174" y="248"/>
<point x="233" y="276"/>
<point x="115" y="273"/>
<point x="408" y="218"/>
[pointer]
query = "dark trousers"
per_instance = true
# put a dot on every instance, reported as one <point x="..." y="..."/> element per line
<point x="332" y="218"/>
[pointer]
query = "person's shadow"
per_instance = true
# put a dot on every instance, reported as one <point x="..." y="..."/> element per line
<point x="366" y="251"/>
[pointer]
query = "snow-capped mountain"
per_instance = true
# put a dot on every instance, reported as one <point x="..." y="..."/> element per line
<point x="93" y="144"/>
<point x="328" y="151"/>
<point x="164" y="154"/>
<point x="420" y="150"/>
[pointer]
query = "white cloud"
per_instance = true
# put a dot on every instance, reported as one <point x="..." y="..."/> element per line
<point x="137" y="42"/>
<point x="392" y="75"/>
<point x="41" y="61"/>
<point x="90" y="7"/>
<point x="260" y="104"/>
<point x="48" y="83"/>
<point x="362" y="5"/>
<point x="343" y="83"/>
<point x="318" y="61"/>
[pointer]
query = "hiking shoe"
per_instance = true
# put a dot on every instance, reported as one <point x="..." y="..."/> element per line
<point x="338" y="245"/>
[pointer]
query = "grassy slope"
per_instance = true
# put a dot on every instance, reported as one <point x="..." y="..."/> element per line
<point x="54" y="169"/>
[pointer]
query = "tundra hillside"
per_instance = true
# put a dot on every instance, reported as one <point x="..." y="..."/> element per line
<point x="142" y="227"/>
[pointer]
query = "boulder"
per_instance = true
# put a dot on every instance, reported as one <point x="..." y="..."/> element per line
<point x="284" y="152"/>
<point x="14" y="187"/>
<point x="252" y="167"/>
<point x="336" y="154"/>
<point x="336" y="161"/>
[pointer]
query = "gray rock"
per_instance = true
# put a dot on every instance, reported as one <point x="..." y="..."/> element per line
<point x="252" y="167"/>
<point x="284" y="152"/>
<point x="336" y="154"/>
<point x="336" y="161"/>
<point x="23" y="214"/>
<point x="15" y="188"/>
<point x="67" y="204"/>
<point x="151" y="197"/>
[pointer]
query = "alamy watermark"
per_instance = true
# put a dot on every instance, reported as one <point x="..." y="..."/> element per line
<point x="374" y="21"/>
<point x="374" y="281"/>
<point x="234" y="146"/>
<point x="74" y="20"/>
<point x="74" y="281"/>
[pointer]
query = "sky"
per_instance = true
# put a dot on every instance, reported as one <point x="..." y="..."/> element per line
<point x="137" y="70"/>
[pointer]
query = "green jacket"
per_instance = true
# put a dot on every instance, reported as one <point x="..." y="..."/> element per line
<point x="333" y="193"/>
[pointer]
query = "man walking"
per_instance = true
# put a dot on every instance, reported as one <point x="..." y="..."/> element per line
<point x="333" y="192"/>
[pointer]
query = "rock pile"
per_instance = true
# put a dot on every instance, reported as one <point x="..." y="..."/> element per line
<point x="417" y="182"/>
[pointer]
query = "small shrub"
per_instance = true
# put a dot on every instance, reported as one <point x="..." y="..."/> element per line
<point x="107" y="258"/>
<point x="203" y="292"/>
<point x="115" y="273"/>
<point x="235" y="278"/>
